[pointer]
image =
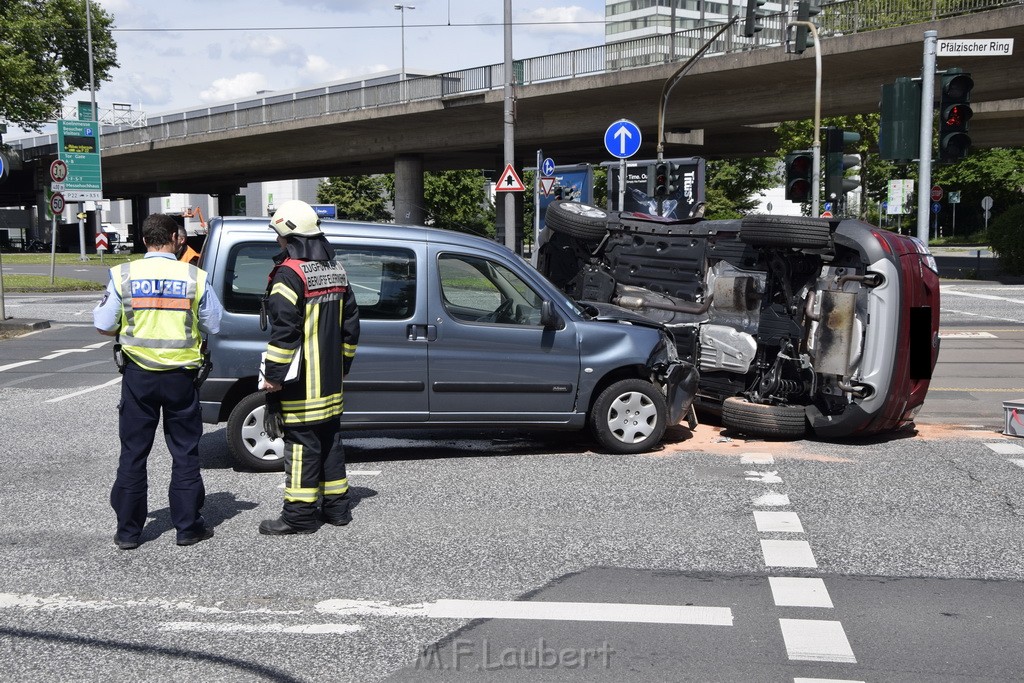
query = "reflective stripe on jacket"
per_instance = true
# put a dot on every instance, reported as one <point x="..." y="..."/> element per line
<point x="313" y="312"/>
<point x="159" y="312"/>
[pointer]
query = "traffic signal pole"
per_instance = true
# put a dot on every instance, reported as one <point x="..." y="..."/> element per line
<point x="924" y="174"/>
<point x="816" y="145"/>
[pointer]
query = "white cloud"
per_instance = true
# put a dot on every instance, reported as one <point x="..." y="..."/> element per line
<point x="569" y="20"/>
<point x="242" y="85"/>
<point x="270" y="48"/>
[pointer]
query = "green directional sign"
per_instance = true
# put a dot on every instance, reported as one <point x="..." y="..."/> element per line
<point x="78" y="145"/>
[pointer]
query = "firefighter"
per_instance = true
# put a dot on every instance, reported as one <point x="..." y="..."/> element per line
<point x="158" y="308"/>
<point x="314" y="330"/>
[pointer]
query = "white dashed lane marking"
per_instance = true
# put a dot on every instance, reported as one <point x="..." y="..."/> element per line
<point x="816" y="640"/>
<point x="581" y="611"/>
<point x="772" y="500"/>
<point x="824" y="680"/>
<point x="789" y="591"/>
<point x="757" y="459"/>
<point x="306" y="629"/>
<point x="1004" y="448"/>
<point x="763" y="477"/>
<point x="771" y="520"/>
<point x="1018" y="463"/>
<point x="787" y="554"/>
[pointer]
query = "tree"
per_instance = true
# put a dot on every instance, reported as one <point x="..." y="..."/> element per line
<point x="358" y="198"/>
<point x="996" y="173"/>
<point x="457" y="200"/>
<point x="732" y="185"/>
<point x="1007" y="236"/>
<point x="44" y="56"/>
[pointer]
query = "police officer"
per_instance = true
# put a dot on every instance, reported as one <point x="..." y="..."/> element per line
<point x="158" y="307"/>
<point x="314" y="327"/>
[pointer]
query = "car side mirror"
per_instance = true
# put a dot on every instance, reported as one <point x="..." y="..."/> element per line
<point x="549" y="317"/>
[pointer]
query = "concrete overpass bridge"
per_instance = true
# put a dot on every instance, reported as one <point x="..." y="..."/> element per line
<point x="563" y="106"/>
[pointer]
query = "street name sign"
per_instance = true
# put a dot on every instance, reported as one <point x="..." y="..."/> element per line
<point x="78" y="146"/>
<point x="975" y="47"/>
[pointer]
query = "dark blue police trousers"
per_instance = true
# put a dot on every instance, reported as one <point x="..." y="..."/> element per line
<point x="144" y="394"/>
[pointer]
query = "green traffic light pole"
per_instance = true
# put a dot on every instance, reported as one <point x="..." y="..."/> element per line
<point x="816" y="146"/>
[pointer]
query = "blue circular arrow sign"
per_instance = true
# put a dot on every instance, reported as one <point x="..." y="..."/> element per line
<point x="548" y="167"/>
<point x="622" y="139"/>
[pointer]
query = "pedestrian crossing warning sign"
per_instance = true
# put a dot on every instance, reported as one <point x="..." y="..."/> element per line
<point x="509" y="181"/>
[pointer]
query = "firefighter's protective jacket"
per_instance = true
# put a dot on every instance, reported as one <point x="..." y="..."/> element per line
<point x="312" y="311"/>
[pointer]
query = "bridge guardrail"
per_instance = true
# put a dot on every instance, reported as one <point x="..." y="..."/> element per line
<point x="840" y="17"/>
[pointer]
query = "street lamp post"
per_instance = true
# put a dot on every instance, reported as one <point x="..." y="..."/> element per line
<point x="401" y="78"/>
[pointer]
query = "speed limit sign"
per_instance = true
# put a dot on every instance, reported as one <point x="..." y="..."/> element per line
<point x="58" y="171"/>
<point x="57" y="203"/>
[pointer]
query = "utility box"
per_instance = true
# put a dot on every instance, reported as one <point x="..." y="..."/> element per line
<point x="1013" y="417"/>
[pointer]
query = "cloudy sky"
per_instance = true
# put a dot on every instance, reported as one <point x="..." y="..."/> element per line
<point x="177" y="54"/>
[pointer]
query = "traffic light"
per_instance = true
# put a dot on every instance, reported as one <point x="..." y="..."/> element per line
<point x="899" y="129"/>
<point x="661" y="179"/>
<point x="799" y="168"/>
<point x="955" y="115"/>
<point x="755" y="15"/>
<point x="805" y="9"/>
<point x="837" y="161"/>
<point x="674" y="173"/>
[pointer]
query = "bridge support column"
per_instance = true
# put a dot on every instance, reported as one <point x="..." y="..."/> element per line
<point x="409" y="189"/>
<point x="140" y="209"/>
<point x="226" y="201"/>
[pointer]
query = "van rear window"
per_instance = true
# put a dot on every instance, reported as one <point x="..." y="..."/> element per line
<point x="383" y="279"/>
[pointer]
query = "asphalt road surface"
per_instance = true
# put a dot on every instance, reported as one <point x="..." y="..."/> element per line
<point x="511" y="556"/>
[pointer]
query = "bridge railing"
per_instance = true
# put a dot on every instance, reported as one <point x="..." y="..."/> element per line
<point x="839" y="17"/>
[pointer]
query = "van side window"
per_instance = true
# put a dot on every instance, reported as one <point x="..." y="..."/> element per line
<point x="383" y="279"/>
<point x="477" y="290"/>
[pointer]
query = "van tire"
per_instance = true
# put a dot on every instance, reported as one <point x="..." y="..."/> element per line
<point x="764" y="420"/>
<point x="582" y="221"/>
<point x="797" y="232"/>
<point x="629" y="416"/>
<point x="250" y="446"/>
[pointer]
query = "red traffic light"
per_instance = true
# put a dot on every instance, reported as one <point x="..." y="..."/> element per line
<point x="957" y="116"/>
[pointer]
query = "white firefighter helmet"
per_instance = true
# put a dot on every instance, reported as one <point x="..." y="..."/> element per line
<point x="296" y="217"/>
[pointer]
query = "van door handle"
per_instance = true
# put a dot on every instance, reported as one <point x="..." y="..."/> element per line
<point x="421" y="332"/>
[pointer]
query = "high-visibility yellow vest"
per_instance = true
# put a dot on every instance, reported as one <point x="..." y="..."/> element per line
<point x="159" y="312"/>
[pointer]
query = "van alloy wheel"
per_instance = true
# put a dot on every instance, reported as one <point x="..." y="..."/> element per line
<point x="248" y="442"/>
<point x="629" y="416"/>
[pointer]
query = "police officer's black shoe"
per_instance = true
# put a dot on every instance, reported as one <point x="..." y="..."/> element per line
<point x="279" y="527"/>
<point x="203" y="535"/>
<point x="125" y="545"/>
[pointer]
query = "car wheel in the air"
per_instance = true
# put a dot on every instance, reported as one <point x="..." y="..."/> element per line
<point x="798" y="232"/>
<point x="629" y="417"/>
<point x="581" y="221"/>
<point x="763" y="420"/>
<point x="248" y="441"/>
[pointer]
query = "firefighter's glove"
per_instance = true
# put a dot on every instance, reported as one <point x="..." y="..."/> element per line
<point x="273" y="418"/>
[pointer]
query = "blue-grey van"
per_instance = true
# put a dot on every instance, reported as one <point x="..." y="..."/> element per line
<point x="456" y="331"/>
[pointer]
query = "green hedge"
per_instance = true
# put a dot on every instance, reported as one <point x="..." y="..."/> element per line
<point x="1006" y="233"/>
